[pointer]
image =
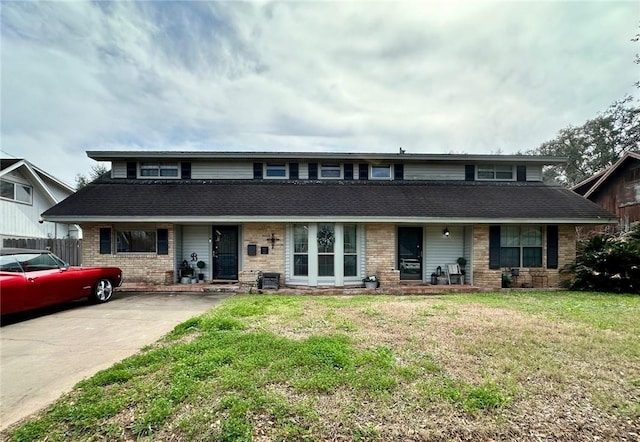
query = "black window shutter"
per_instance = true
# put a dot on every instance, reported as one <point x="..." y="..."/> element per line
<point x="185" y="171"/>
<point x="521" y="173"/>
<point x="552" y="247"/>
<point x="313" y="171"/>
<point x="494" y="247"/>
<point x="105" y="240"/>
<point x="398" y="171"/>
<point x="163" y="241"/>
<point x="363" y="169"/>
<point x="132" y="170"/>
<point x="348" y="171"/>
<point x="469" y="172"/>
<point x="293" y="171"/>
<point x="257" y="171"/>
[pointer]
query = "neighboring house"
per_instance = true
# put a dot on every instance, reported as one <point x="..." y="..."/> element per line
<point x="616" y="189"/>
<point x="25" y="192"/>
<point x="326" y="219"/>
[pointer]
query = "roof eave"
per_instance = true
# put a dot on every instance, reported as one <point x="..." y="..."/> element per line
<point x="343" y="219"/>
<point x="347" y="156"/>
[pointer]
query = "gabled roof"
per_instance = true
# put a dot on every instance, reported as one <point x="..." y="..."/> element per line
<point x="583" y="186"/>
<point x="35" y="174"/>
<point x="605" y="174"/>
<point x="108" y="199"/>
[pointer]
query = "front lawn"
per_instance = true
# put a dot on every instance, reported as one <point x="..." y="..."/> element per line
<point x="496" y="366"/>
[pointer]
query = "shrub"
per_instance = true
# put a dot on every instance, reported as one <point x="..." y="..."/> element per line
<point x="608" y="263"/>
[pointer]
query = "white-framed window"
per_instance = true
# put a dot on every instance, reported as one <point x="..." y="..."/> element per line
<point x="350" y="249"/>
<point x="22" y="193"/>
<point x="521" y="246"/>
<point x="495" y="172"/>
<point x="326" y="249"/>
<point x="300" y="250"/>
<point x="136" y="241"/>
<point x="325" y="253"/>
<point x="380" y="172"/>
<point x="275" y="170"/>
<point x="330" y="170"/>
<point x="163" y="170"/>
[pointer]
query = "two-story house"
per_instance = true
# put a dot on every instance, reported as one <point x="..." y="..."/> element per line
<point x="326" y="219"/>
<point x="25" y="192"/>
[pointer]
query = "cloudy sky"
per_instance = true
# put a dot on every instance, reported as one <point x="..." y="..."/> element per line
<point x="370" y="76"/>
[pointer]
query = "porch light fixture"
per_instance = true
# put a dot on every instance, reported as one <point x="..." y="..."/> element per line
<point x="446" y="232"/>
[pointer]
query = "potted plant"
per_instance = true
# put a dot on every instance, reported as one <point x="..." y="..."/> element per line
<point x="186" y="272"/>
<point x="371" y="282"/>
<point x="506" y="280"/>
<point x="201" y="265"/>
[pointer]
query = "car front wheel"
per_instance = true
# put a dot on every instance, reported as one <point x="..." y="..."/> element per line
<point x="103" y="291"/>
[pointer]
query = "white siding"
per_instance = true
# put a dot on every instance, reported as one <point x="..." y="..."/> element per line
<point x="414" y="171"/>
<point x="303" y="171"/>
<point x="534" y="173"/>
<point x="226" y="170"/>
<point x="119" y="169"/>
<point x="195" y="239"/>
<point x="22" y="220"/>
<point x="441" y="250"/>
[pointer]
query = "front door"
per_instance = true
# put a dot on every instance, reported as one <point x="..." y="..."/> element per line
<point x="410" y="253"/>
<point x="225" y="252"/>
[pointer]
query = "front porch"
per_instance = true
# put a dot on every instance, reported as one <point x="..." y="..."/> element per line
<point x="235" y="287"/>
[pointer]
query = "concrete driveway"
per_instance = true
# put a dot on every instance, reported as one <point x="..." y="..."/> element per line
<point x="44" y="354"/>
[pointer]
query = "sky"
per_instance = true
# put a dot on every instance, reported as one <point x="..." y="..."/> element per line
<point x="353" y="76"/>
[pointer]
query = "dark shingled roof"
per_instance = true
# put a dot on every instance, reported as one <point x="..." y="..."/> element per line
<point x="178" y="199"/>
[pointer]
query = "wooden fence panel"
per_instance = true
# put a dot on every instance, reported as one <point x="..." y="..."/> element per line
<point x="68" y="249"/>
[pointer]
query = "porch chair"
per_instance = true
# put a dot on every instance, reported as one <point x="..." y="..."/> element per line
<point x="453" y="270"/>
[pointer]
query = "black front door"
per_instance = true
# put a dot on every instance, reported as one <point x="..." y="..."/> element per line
<point x="410" y="253"/>
<point x="225" y="252"/>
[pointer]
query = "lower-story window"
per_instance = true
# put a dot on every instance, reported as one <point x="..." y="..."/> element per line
<point x="326" y="245"/>
<point x="521" y="246"/>
<point x="350" y="240"/>
<point x="300" y="250"/>
<point x="325" y="253"/>
<point x="136" y="241"/>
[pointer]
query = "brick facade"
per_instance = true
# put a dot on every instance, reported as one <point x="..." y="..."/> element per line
<point x="257" y="234"/>
<point x="488" y="278"/>
<point x="136" y="267"/>
<point x="380" y="253"/>
<point x="380" y="244"/>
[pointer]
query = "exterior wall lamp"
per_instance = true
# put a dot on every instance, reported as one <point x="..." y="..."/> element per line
<point x="446" y="232"/>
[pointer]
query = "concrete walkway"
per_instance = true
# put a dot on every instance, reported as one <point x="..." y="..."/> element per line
<point x="44" y="354"/>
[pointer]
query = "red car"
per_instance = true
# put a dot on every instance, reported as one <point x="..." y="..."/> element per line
<point x="31" y="279"/>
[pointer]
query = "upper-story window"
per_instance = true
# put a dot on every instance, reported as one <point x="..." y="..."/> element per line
<point x="380" y="171"/>
<point x="166" y="170"/>
<point x="276" y="170"/>
<point x="495" y="172"/>
<point x="22" y="193"/>
<point x="330" y="170"/>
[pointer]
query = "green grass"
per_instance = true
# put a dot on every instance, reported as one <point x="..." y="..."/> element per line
<point x="294" y="367"/>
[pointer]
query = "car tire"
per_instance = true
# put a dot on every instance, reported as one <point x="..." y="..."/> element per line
<point x="102" y="291"/>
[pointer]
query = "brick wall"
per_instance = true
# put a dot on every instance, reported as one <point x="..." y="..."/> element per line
<point x="380" y="259"/>
<point x="257" y="233"/>
<point x="136" y="267"/>
<point x="492" y="279"/>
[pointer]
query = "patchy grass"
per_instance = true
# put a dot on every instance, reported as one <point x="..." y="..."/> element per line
<point x="521" y="366"/>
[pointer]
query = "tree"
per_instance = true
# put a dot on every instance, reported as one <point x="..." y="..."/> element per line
<point x="595" y="145"/>
<point x="97" y="170"/>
